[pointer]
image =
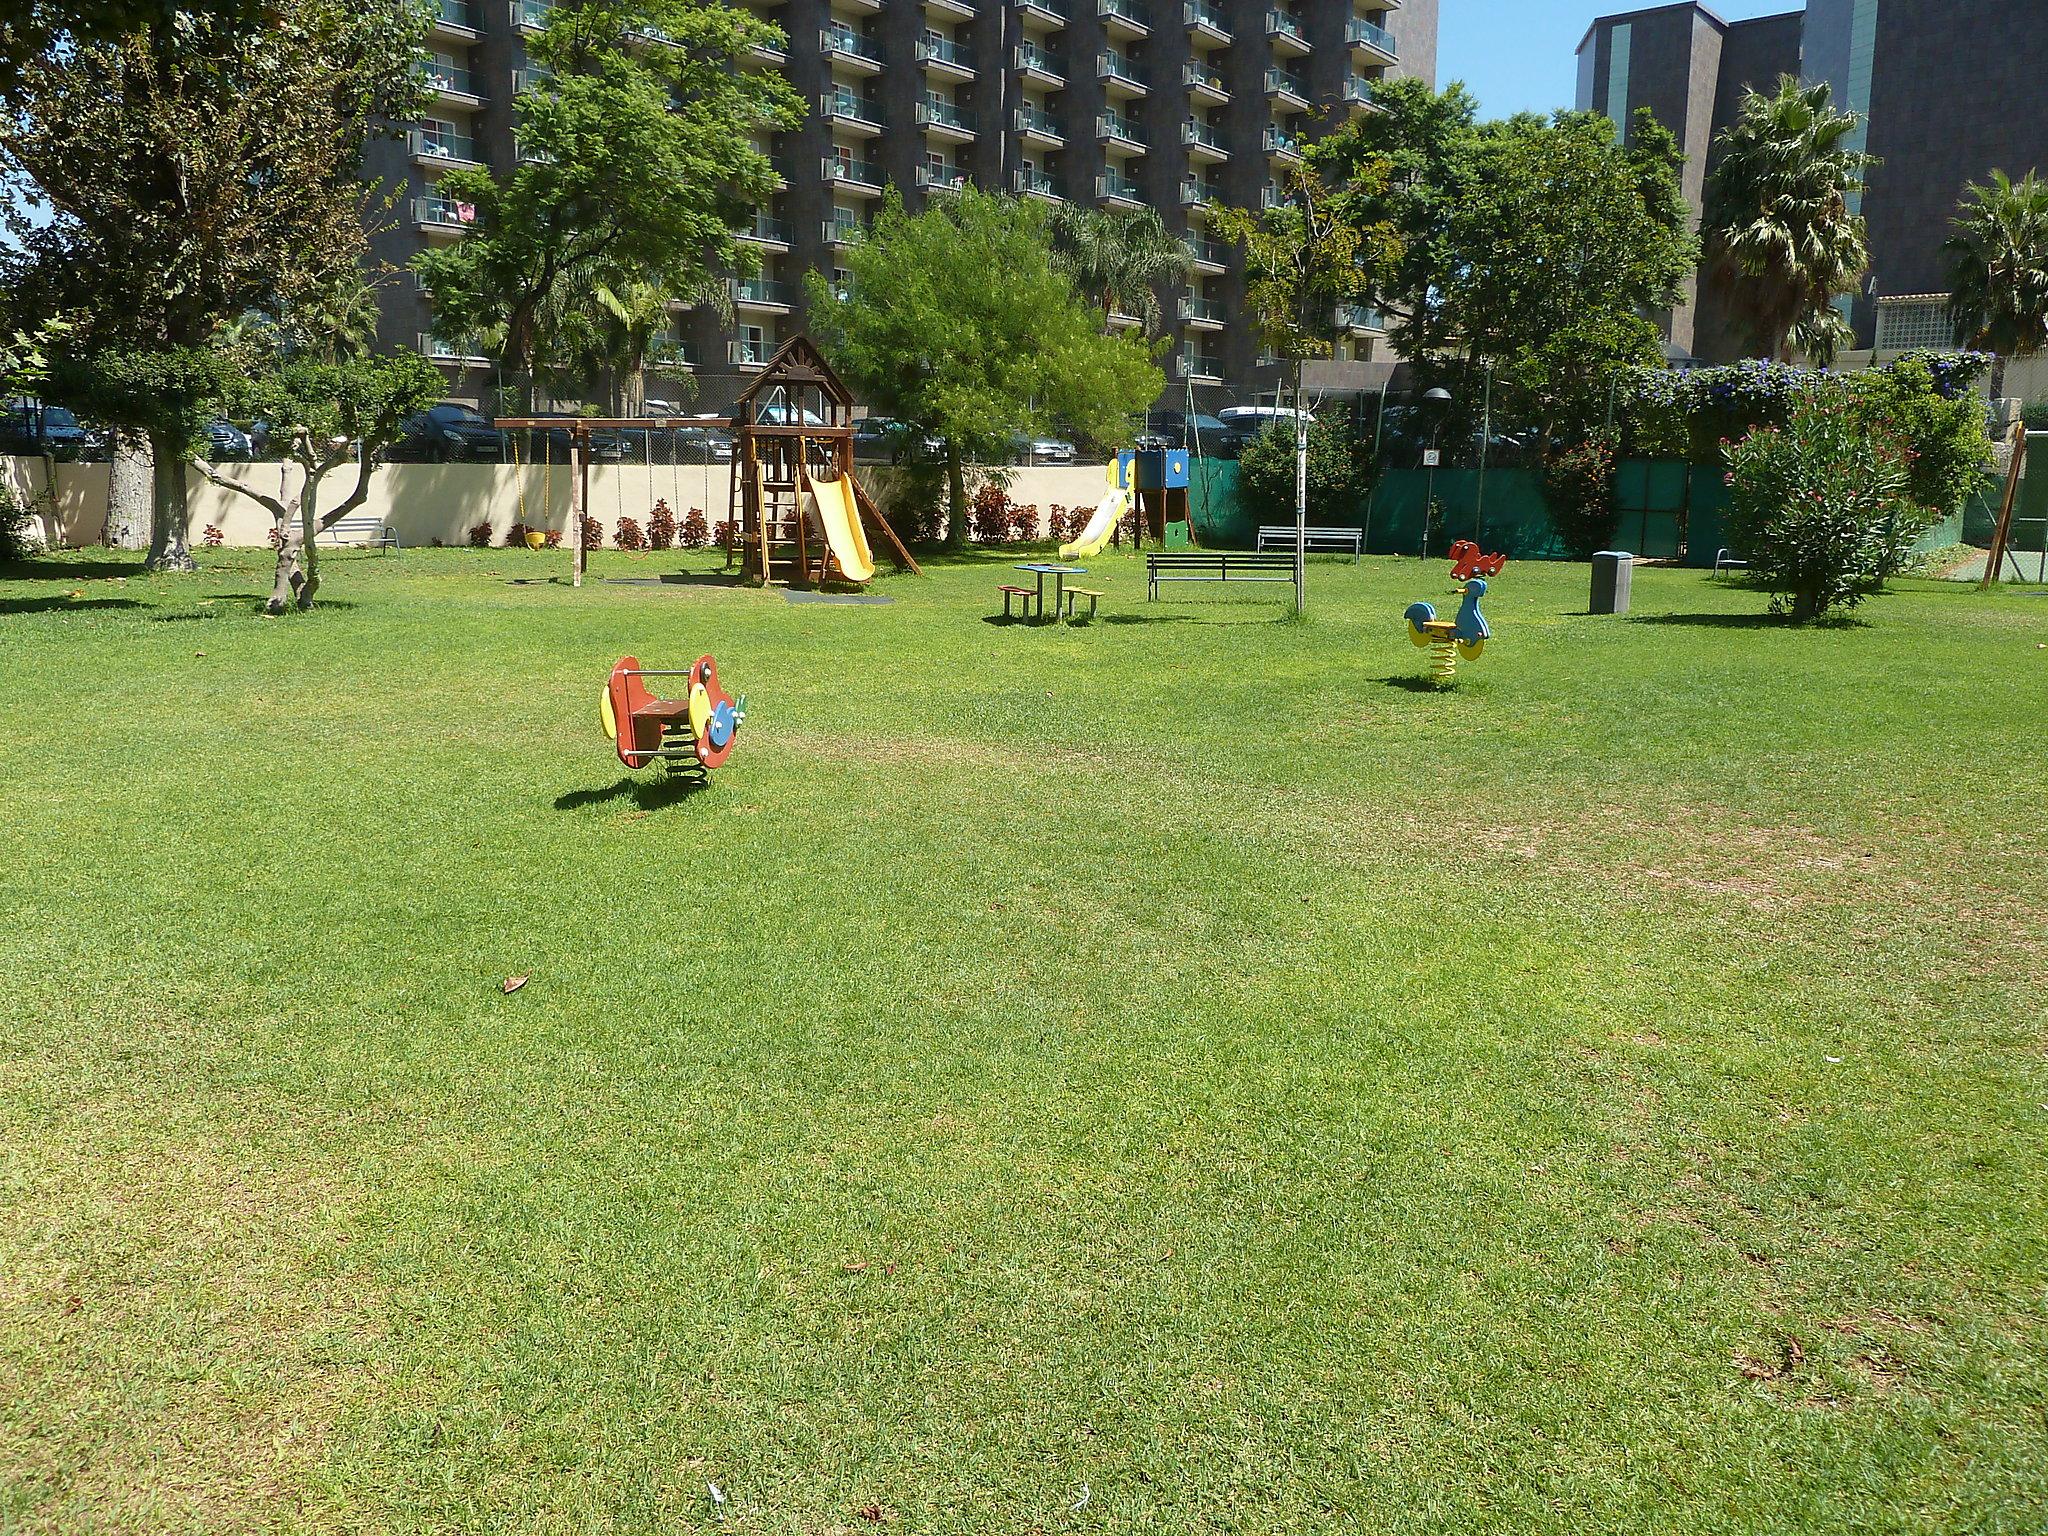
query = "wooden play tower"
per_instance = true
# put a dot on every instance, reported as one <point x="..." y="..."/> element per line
<point x="792" y="472"/>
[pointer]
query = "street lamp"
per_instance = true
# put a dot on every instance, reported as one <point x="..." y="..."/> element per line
<point x="1437" y="401"/>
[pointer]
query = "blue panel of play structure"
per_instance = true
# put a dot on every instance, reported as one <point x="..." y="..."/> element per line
<point x="1162" y="469"/>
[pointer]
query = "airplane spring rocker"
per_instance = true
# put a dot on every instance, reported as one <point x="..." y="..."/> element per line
<point x="1467" y="634"/>
<point x="691" y="735"/>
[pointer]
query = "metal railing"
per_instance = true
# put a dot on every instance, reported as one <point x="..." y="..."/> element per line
<point x="449" y="77"/>
<point x="1026" y="179"/>
<point x="933" y="48"/>
<point x="1114" y="183"/>
<point x="1197" y="194"/>
<point x="766" y="228"/>
<point x="1360" y="317"/>
<point x="442" y="211"/>
<point x="761" y="290"/>
<point x="863" y="172"/>
<point x="1192" y="308"/>
<point x="456" y="13"/>
<point x="1207" y="250"/>
<point x="1194" y="131"/>
<point x="1192" y="74"/>
<point x="1114" y="125"/>
<point x="840" y="38"/>
<point x="1278" y="79"/>
<point x="936" y="111"/>
<point x="844" y="103"/>
<point x="1113" y="65"/>
<point x="750" y="354"/>
<point x="1201" y="13"/>
<point x="1360" y="31"/>
<point x="1037" y="119"/>
<point x="435" y="144"/>
<point x="1030" y="56"/>
<point x="1279" y="141"/>
<point x="1285" y="25"/>
<point x="1123" y="10"/>
<point x="941" y="178"/>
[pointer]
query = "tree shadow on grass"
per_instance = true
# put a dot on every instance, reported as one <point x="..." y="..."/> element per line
<point x="69" y="570"/>
<point x="646" y="794"/>
<point x="1745" y="621"/>
<point x="62" y="604"/>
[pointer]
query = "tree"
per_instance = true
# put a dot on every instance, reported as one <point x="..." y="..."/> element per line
<point x="637" y="164"/>
<point x="37" y="28"/>
<point x="1301" y="261"/>
<point x="327" y="412"/>
<point x="1780" y="236"/>
<point x="1338" y="474"/>
<point x="191" y="172"/>
<point x="1998" y="282"/>
<point x="1120" y="257"/>
<point x="959" y="320"/>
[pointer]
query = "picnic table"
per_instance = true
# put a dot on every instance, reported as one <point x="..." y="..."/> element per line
<point x="1040" y="569"/>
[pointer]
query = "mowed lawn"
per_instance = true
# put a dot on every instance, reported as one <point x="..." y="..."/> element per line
<point x="1168" y="1076"/>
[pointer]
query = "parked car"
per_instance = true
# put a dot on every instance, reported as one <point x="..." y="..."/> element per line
<point x="447" y="432"/>
<point x="783" y="416"/>
<point x="1171" y="429"/>
<point x="1041" y="450"/>
<point x="225" y="440"/>
<point x="885" y="440"/>
<point x="31" y="428"/>
<point x="694" y="445"/>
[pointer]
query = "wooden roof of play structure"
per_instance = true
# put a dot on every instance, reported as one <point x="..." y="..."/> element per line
<point x="796" y="365"/>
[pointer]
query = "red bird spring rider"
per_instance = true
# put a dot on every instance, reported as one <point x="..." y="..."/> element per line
<point x="1467" y="634"/>
<point x="693" y="734"/>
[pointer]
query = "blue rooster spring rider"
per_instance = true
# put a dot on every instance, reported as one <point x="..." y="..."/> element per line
<point x="1467" y="634"/>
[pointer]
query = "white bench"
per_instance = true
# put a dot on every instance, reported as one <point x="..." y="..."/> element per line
<point x="1319" y="540"/>
<point x="1728" y="560"/>
<point x="366" y="532"/>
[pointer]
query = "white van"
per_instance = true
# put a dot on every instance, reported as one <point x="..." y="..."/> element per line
<point x="1254" y="419"/>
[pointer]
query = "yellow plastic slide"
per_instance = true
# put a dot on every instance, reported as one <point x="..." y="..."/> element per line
<point x="833" y="500"/>
<point x="1108" y="513"/>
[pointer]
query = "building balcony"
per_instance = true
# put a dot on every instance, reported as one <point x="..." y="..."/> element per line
<point x="1035" y="183"/>
<point x="1280" y="144"/>
<point x="1050" y="14"/>
<point x="1119" y="76"/>
<point x="447" y="349"/>
<point x="532" y="15"/>
<point x="1284" y="31"/>
<point x="943" y="57"/>
<point x="865" y="7"/>
<point x="1039" y="65"/>
<point x="431" y="146"/>
<point x="1120" y="18"/>
<point x="1205" y="23"/>
<point x="1119" y="132"/>
<point x="1196" y="194"/>
<point x="1203" y="83"/>
<point x="452" y="85"/>
<point x="941" y="178"/>
<point x="1287" y="89"/>
<point x="941" y="119"/>
<point x="854" y="114"/>
<point x="952" y="10"/>
<point x="850" y="49"/>
<point x="767" y="55"/>
<point x="842" y="231"/>
<point x="1113" y="186"/>
<point x="749" y="354"/>
<point x="1202" y="314"/>
<point x="1209" y="257"/>
<point x="762" y="293"/>
<point x="1358" y="97"/>
<point x="1360" y="319"/>
<point x="455" y="20"/>
<point x="1200" y="367"/>
<point x="1271" y="196"/>
<point x="862" y="178"/>
<point x="436" y="214"/>
<point x="1202" y="142"/>
<point x="1372" y="40"/>
<point x="532" y="78"/>
<point x="766" y="231"/>
<point x="1119" y="320"/>
<point x="671" y="354"/>
<point x="1037" y="126"/>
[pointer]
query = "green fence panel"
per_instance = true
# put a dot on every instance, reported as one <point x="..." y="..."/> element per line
<point x="1501" y="510"/>
<point x="1706" y="516"/>
<point x="1215" y="508"/>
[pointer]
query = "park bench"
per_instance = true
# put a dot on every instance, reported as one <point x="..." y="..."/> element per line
<point x="1318" y="540"/>
<point x="1728" y="560"/>
<point x="1022" y="595"/>
<point x="1224" y="565"/>
<point x="367" y="532"/>
<point x="1090" y="593"/>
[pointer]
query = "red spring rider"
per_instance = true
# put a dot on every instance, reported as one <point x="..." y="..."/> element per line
<point x="693" y="734"/>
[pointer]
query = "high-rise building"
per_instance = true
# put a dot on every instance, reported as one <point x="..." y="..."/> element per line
<point x="1947" y="92"/>
<point x="1109" y="103"/>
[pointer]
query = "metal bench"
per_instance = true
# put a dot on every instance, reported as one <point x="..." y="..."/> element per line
<point x="1022" y="595"/>
<point x="1330" y="541"/>
<point x="367" y="532"/>
<point x="1224" y="565"/>
<point x="1728" y="560"/>
<point x="1090" y="593"/>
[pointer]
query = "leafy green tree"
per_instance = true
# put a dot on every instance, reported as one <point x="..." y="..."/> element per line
<point x="1303" y="261"/>
<point x="1338" y="476"/>
<point x="38" y="28"/>
<point x="326" y="413"/>
<point x="191" y="172"/>
<point x="959" y="319"/>
<point x="1939" y="417"/>
<point x="1120" y="257"/>
<point x="1998" y="282"/>
<point x="638" y="163"/>
<point x="1779" y="232"/>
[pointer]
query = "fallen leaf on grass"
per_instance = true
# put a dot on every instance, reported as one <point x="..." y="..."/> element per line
<point x="514" y="983"/>
<point x="872" y="1512"/>
<point x="854" y="1266"/>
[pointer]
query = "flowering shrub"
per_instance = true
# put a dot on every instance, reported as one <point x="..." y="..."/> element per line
<point x="1578" y="488"/>
<point x="696" y="532"/>
<point x="727" y="535"/>
<point x="552" y="538"/>
<point x="1024" y="522"/>
<point x="593" y="533"/>
<point x="1820" y="508"/>
<point x="212" y="538"/>
<point x="628" y="534"/>
<point x="515" y="536"/>
<point x="661" y="526"/>
<point x="991" y="513"/>
<point x="480" y="535"/>
<point x="1056" y="527"/>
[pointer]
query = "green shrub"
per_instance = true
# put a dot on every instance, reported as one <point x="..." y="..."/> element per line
<point x="1821" y="508"/>
<point x="1949" y="451"/>
<point x="17" y="539"/>
<point x="1578" y="488"/>
<point x="1338" y="476"/>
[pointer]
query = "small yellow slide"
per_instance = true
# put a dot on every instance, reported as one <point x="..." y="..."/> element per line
<point x="833" y="500"/>
<point x="1108" y="513"/>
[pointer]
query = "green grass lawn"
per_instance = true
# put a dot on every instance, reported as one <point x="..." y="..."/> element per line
<point x="1173" y="1075"/>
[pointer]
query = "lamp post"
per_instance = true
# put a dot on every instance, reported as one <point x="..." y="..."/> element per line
<point x="1438" y="402"/>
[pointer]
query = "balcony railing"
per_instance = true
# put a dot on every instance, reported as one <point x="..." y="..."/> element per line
<point x="531" y="78"/>
<point x="667" y="351"/>
<point x="1361" y="33"/>
<point x="1110" y="65"/>
<point x="533" y="13"/>
<point x="1114" y="125"/>
<point x="1207" y="250"/>
<point x="844" y="103"/>
<point x="935" y="49"/>
<point x="1358" y="91"/>
<point x="1037" y="182"/>
<point x="456" y="13"/>
<point x="1360" y="317"/>
<point x="1052" y="12"/>
<point x="771" y="231"/>
<point x="1194" y="131"/>
<point x="451" y="349"/>
<point x="1280" y="24"/>
<point x="861" y="172"/>
<point x="937" y="112"/>
<point x="434" y="144"/>
<point x="1030" y="56"/>
<point x="1037" y="120"/>
<point x="941" y="178"/>
<point x="1192" y="308"/>
<point x="1199" y="365"/>
<point x="842" y="231"/>
<point x="761" y="290"/>
<point x="1205" y="14"/>
<point x="449" y="78"/>
<point x="1278" y="141"/>
<point x="1195" y="77"/>
<point x="1114" y="183"/>
<point x="840" y="38"/>
<point x="1197" y="194"/>
<point x="1279" y="81"/>
<point x="1271" y="196"/>
<point x="1125" y="11"/>
<point x="443" y="212"/>
<point x="749" y="354"/>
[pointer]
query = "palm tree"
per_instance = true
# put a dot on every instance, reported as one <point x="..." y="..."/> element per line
<point x="1998" y="286"/>
<point x="1119" y="258"/>
<point x="1778" y="228"/>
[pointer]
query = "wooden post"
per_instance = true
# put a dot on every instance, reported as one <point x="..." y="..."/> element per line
<point x="2003" y="532"/>
<point x="576" y="492"/>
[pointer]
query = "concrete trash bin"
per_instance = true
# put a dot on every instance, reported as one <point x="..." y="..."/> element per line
<point x="1611" y="571"/>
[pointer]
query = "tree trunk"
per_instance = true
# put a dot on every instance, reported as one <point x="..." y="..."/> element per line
<point x="1998" y="375"/>
<point x="292" y="585"/>
<point x="128" y="491"/>
<point x="956" y="501"/>
<point x="170" y="505"/>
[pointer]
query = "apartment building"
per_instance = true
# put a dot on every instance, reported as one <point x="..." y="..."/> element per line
<point x="1947" y="90"/>
<point x="1108" y="103"/>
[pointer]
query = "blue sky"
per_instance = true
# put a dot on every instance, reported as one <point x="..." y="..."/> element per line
<point x="1516" y="55"/>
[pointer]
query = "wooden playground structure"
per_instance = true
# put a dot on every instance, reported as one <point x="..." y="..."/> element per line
<point x="798" y="513"/>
